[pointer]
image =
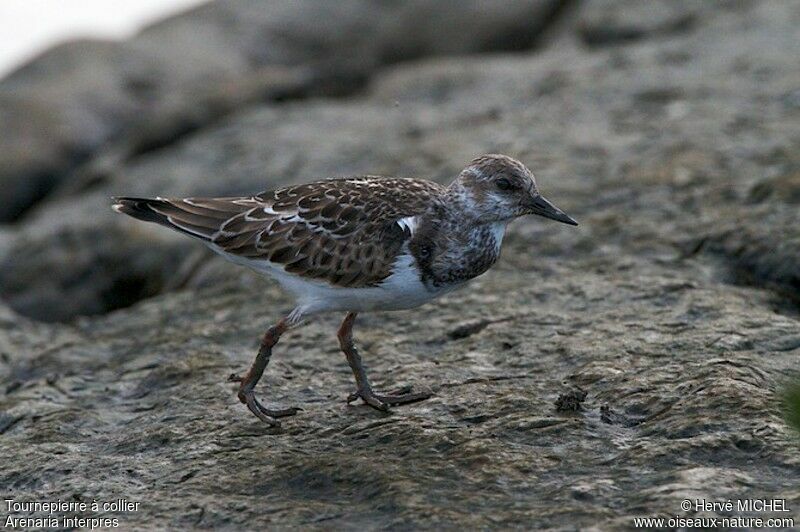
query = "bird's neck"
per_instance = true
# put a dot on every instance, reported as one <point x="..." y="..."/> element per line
<point x="465" y="225"/>
<point x="460" y="202"/>
<point x="453" y="246"/>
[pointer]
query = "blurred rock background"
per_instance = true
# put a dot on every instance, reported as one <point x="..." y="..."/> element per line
<point x="669" y="129"/>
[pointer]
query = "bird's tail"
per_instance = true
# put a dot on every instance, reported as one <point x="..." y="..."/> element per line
<point x="197" y="217"/>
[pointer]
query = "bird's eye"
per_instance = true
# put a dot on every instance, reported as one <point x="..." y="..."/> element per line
<point x="505" y="184"/>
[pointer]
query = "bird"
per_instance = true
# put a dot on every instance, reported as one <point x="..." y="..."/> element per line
<point x="357" y="244"/>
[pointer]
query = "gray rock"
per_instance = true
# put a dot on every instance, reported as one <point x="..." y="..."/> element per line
<point x="784" y="188"/>
<point x="106" y="268"/>
<point x="614" y="22"/>
<point x="56" y="111"/>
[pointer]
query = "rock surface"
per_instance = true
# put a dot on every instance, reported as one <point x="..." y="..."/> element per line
<point x="596" y="374"/>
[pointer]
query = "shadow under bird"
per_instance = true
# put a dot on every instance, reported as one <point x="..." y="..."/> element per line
<point x="357" y="244"/>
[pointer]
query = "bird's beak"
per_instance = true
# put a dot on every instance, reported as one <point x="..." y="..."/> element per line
<point x="539" y="205"/>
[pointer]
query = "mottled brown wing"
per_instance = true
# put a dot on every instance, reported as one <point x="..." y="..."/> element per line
<point x="198" y="217"/>
<point x="343" y="231"/>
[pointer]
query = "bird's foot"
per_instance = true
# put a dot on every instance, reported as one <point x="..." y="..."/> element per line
<point x="267" y="415"/>
<point x="382" y="402"/>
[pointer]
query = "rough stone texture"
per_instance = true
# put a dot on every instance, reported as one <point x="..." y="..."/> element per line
<point x="673" y="305"/>
<point x="613" y="22"/>
<point x="62" y="107"/>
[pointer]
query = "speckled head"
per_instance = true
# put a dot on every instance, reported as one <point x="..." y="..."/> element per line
<point x="500" y="188"/>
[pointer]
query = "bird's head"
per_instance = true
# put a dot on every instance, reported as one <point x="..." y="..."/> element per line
<point x="500" y="188"/>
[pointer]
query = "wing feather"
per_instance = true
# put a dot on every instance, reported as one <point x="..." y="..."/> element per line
<point x="347" y="232"/>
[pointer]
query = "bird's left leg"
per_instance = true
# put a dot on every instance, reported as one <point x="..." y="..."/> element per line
<point x="251" y="378"/>
<point x="363" y="386"/>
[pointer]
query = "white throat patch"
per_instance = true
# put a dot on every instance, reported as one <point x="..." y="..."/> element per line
<point x="498" y="231"/>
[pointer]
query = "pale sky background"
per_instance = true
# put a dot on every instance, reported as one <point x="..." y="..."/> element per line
<point x="28" y="27"/>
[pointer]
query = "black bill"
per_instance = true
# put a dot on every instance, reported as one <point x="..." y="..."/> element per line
<point x="542" y="207"/>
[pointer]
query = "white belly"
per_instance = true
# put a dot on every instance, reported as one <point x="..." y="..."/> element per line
<point x="401" y="290"/>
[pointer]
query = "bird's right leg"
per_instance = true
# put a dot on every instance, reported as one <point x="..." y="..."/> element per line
<point x="363" y="386"/>
<point x="250" y="379"/>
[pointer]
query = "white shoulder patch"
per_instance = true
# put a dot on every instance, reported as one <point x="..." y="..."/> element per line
<point x="408" y="223"/>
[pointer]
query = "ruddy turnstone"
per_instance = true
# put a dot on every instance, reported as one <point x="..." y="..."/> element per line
<point x="357" y="244"/>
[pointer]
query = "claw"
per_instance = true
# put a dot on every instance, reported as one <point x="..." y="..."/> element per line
<point x="383" y="401"/>
<point x="403" y="399"/>
<point x="267" y="415"/>
<point x="370" y="398"/>
<point x="255" y="407"/>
